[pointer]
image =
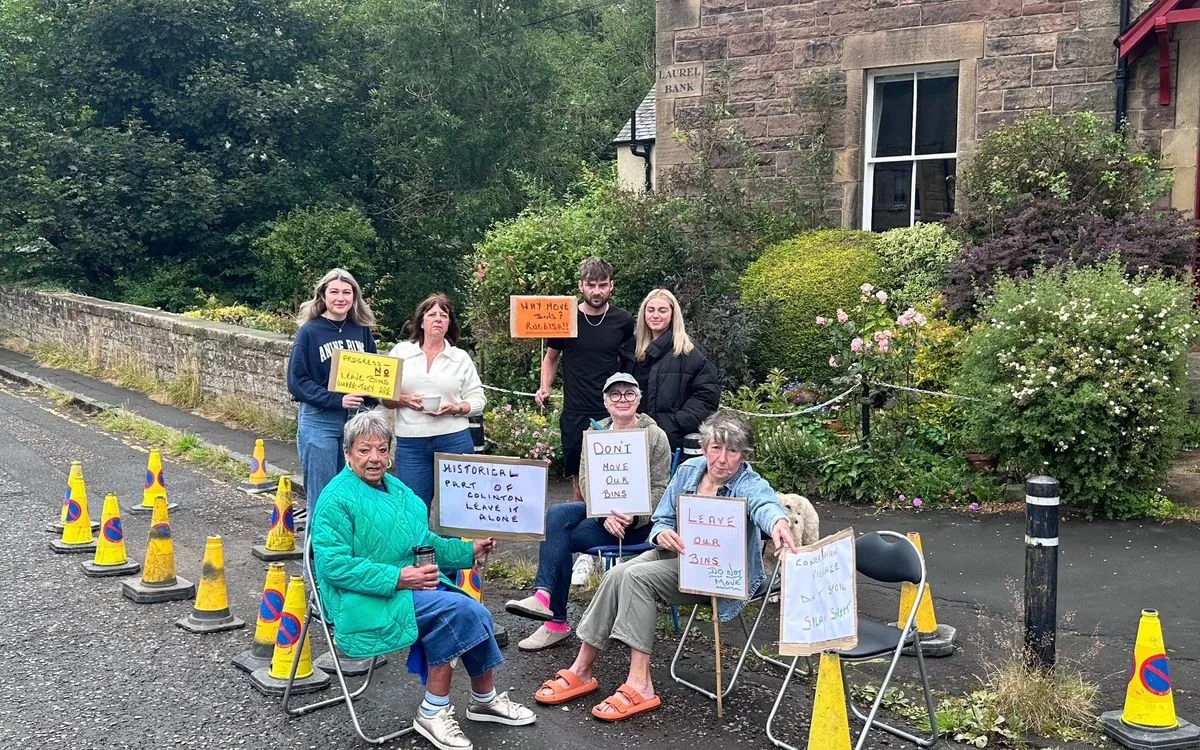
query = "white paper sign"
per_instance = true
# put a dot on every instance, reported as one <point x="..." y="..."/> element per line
<point x="618" y="472"/>
<point x="713" y="530"/>
<point x="820" y="609"/>
<point x="480" y="496"/>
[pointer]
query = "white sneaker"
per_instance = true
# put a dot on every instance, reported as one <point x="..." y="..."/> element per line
<point x="442" y="730"/>
<point x="583" y="567"/>
<point x="501" y="711"/>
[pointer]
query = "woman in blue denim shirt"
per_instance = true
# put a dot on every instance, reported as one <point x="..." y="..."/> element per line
<point x="624" y="606"/>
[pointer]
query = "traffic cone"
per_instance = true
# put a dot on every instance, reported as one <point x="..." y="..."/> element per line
<point x="159" y="582"/>
<point x="1148" y="719"/>
<point x="76" y="488"/>
<point x="77" y="524"/>
<point x="288" y="649"/>
<point x="281" y="537"/>
<point x="936" y="640"/>
<point x="211" y="612"/>
<point x="155" y="486"/>
<point x="110" y="559"/>
<point x="259" y="482"/>
<point x="270" y="607"/>
<point x="830" y="726"/>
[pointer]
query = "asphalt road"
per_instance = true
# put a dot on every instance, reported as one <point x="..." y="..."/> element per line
<point x="85" y="668"/>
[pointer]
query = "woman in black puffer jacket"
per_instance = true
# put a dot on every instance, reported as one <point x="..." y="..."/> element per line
<point x="680" y="387"/>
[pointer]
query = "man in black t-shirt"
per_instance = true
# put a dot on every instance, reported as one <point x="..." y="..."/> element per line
<point x="588" y="360"/>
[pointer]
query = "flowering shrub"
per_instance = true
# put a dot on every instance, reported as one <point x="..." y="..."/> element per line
<point x="523" y="432"/>
<point x="1081" y="376"/>
<point x="869" y="343"/>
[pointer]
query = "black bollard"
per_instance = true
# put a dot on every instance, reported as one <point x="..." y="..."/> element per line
<point x="1041" y="570"/>
<point x="865" y="403"/>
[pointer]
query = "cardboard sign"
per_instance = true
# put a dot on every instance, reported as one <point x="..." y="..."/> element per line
<point x="543" y="317"/>
<point x="714" y="559"/>
<point x="820" y="607"/>
<point x="618" y="472"/>
<point x="371" y="374"/>
<point x="481" y="496"/>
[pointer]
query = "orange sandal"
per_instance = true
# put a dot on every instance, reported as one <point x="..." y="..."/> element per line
<point x="624" y="703"/>
<point x="552" y="692"/>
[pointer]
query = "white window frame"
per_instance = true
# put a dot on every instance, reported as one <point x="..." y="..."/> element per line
<point x="869" y="136"/>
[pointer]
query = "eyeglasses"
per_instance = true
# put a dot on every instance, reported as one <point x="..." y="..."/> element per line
<point x="619" y="396"/>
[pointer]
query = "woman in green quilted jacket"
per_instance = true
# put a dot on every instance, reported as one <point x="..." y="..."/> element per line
<point x="364" y="532"/>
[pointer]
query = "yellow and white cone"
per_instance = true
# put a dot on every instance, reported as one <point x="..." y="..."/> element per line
<point x="211" y="612"/>
<point x="289" y="648"/>
<point x="270" y="608"/>
<point x="159" y="582"/>
<point x="155" y="485"/>
<point x="110" y="558"/>
<point x="936" y="639"/>
<point x="75" y="488"/>
<point x="77" y="524"/>
<point x="830" y="727"/>
<point x="259" y="482"/>
<point x="1148" y="719"/>
<point x="281" y="537"/>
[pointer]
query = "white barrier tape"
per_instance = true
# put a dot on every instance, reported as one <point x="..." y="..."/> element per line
<point x="1050" y="501"/>
<point x="515" y="393"/>
<point x="1041" y="541"/>
<point x="786" y="415"/>
<point x="928" y="393"/>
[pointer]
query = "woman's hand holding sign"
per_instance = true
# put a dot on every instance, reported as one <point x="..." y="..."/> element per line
<point x="616" y="524"/>
<point x="670" y="541"/>
<point x="781" y="534"/>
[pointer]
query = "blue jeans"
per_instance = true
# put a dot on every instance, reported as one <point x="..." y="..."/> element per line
<point x="414" y="459"/>
<point x="451" y="624"/>
<point x="319" y="442"/>
<point x="569" y="530"/>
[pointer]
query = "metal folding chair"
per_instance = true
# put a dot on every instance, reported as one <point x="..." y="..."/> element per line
<point x="316" y="610"/>
<point x="769" y="588"/>
<point x="896" y="561"/>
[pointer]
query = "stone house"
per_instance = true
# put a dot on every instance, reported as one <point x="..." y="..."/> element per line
<point x="909" y="85"/>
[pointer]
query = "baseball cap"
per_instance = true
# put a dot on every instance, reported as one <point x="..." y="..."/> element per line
<point x="619" y="377"/>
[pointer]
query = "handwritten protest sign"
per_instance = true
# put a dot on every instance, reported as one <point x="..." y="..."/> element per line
<point x="713" y="530"/>
<point x="820" y="609"/>
<point x="618" y="472"/>
<point x="542" y="317"/>
<point x="359" y="372"/>
<point x="480" y="496"/>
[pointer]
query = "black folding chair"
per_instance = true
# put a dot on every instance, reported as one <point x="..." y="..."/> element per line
<point x="316" y="610"/>
<point x="885" y="561"/>
<point x="768" y="589"/>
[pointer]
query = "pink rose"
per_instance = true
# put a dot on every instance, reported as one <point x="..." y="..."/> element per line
<point x="917" y="502"/>
<point x="902" y="497"/>
<point x="883" y="346"/>
<point x="881" y="296"/>
<point x="842" y="317"/>
<point x="867" y="289"/>
<point x="820" y="320"/>
<point x="856" y="345"/>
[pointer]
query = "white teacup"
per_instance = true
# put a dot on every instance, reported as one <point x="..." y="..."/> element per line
<point x="431" y="403"/>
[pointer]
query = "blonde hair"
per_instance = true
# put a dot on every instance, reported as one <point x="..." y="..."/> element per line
<point x="643" y="336"/>
<point x="314" y="308"/>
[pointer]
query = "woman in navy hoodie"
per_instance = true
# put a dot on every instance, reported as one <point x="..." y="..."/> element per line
<point x="335" y="318"/>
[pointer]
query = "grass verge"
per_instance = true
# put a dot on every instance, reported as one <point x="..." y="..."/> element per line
<point x="182" y="445"/>
<point x="184" y="391"/>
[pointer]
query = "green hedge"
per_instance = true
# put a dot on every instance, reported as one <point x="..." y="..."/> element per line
<point x="796" y="280"/>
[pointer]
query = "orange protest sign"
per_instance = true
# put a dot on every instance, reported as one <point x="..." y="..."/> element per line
<point x="533" y="317"/>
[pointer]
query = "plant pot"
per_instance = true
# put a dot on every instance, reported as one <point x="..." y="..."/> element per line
<point x="982" y="462"/>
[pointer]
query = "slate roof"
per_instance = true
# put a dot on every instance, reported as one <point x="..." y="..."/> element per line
<point x="646" y="122"/>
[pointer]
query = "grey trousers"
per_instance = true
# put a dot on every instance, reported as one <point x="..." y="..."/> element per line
<point x="625" y="605"/>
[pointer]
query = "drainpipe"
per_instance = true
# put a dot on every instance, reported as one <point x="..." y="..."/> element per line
<point x="1122" y="79"/>
<point x="643" y="153"/>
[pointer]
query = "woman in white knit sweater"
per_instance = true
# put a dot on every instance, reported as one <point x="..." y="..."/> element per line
<point x="440" y="390"/>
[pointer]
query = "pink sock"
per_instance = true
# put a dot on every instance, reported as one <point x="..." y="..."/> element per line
<point x="557" y="627"/>
<point x="543" y="597"/>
